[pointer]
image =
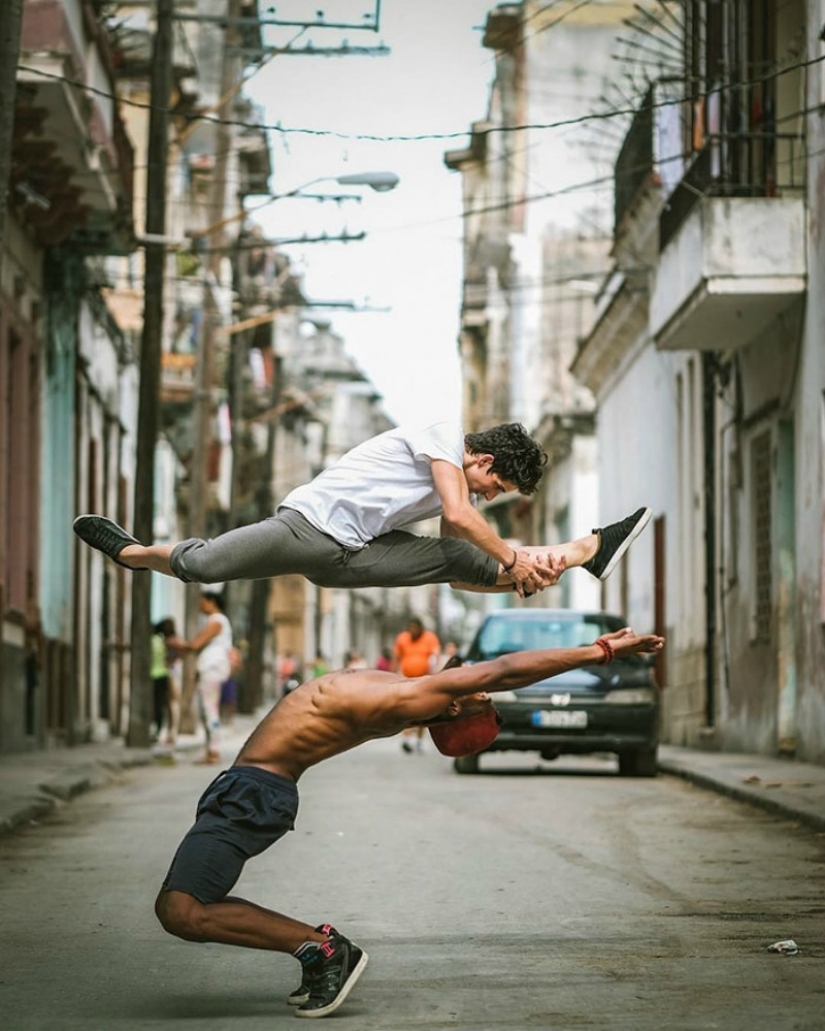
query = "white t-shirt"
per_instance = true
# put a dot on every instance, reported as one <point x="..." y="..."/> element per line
<point x="381" y="485"/>
<point x="213" y="658"/>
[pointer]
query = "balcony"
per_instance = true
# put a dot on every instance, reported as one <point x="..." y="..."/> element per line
<point x="72" y="161"/>
<point x="734" y="265"/>
<point x="732" y="231"/>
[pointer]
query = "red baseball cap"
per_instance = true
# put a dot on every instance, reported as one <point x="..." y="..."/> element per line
<point x="466" y="736"/>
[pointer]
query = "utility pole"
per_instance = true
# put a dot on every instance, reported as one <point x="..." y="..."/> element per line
<point x="204" y="374"/>
<point x="252" y="688"/>
<point x="11" y="18"/>
<point x="140" y="703"/>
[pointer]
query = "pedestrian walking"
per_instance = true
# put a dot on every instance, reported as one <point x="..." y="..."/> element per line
<point x="248" y="807"/>
<point x="344" y="528"/>
<point x="415" y="653"/>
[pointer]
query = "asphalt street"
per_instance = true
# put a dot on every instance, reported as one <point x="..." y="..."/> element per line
<point x="532" y="895"/>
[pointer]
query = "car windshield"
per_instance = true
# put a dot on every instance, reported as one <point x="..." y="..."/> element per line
<point x="500" y="636"/>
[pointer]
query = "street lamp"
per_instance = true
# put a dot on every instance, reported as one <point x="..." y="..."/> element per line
<point x="381" y="182"/>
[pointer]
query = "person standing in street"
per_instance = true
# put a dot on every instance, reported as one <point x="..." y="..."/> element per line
<point x="213" y="645"/>
<point x="165" y="649"/>
<point x="353" y="659"/>
<point x="318" y="667"/>
<point x="384" y="660"/>
<point x="415" y="654"/>
<point x="450" y="652"/>
<point x="229" y="688"/>
<point x="159" y="674"/>
<point x="250" y="806"/>
<point x="346" y="527"/>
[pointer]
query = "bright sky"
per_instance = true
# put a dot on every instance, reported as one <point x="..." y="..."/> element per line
<point x="435" y="80"/>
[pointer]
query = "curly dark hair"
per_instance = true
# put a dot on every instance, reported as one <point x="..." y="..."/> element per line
<point x="516" y="456"/>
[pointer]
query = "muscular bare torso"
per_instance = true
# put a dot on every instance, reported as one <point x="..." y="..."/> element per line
<point x="327" y="716"/>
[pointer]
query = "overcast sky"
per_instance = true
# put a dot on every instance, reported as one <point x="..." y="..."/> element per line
<point x="435" y="80"/>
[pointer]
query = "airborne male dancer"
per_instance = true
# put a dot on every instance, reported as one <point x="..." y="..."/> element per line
<point x="344" y="528"/>
<point x="255" y="802"/>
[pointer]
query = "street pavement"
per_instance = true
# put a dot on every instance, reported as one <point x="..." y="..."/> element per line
<point x="34" y="784"/>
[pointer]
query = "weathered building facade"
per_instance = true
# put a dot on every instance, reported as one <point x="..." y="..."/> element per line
<point x="65" y="378"/>
<point x="710" y="331"/>
<point x="701" y="362"/>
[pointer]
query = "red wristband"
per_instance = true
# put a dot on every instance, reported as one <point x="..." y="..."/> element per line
<point x="607" y="648"/>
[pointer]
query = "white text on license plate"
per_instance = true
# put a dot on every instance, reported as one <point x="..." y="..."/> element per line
<point x="575" y="718"/>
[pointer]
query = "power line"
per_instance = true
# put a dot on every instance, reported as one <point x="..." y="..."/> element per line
<point x="598" y="116"/>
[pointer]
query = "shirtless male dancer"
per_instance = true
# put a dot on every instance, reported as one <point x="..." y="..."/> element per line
<point x="255" y="802"/>
<point x="344" y="528"/>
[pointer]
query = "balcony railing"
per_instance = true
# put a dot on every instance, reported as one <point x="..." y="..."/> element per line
<point x="683" y="146"/>
<point x="746" y="164"/>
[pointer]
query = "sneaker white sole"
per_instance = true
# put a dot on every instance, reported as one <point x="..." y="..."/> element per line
<point x="622" y="548"/>
<point x="341" y="996"/>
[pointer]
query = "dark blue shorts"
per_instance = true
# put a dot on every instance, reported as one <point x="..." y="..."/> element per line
<point x="242" y="812"/>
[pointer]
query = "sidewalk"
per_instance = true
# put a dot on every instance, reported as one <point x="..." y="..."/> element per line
<point x="34" y="784"/>
<point x="792" y="789"/>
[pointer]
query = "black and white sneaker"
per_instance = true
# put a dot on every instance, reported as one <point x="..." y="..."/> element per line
<point x="104" y="535"/>
<point x="614" y="540"/>
<point x="334" y="967"/>
<point x="301" y="994"/>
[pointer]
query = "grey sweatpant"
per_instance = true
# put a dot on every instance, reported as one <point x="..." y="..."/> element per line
<point x="287" y="543"/>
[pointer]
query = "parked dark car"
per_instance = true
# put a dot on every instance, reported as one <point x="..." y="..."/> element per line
<point x="598" y="708"/>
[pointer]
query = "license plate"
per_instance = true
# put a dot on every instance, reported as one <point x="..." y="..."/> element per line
<point x="573" y="718"/>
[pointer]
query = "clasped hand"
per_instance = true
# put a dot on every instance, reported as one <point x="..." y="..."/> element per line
<point x="533" y="573"/>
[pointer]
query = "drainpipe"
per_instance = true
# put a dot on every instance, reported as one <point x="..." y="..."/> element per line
<point x="709" y="364"/>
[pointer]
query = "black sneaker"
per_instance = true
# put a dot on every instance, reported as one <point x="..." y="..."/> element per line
<point x="614" y="542"/>
<point x="301" y="993"/>
<point x="337" y="965"/>
<point x="104" y="535"/>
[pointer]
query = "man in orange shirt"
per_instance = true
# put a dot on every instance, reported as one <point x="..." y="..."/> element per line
<point x="416" y="654"/>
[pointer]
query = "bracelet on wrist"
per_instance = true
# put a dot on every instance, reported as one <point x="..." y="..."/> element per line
<point x="607" y="648"/>
<point x="515" y="559"/>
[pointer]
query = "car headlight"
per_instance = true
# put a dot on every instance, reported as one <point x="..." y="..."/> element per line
<point x="632" y="696"/>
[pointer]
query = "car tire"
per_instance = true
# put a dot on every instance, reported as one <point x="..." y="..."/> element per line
<point x="466" y="764"/>
<point x="641" y="762"/>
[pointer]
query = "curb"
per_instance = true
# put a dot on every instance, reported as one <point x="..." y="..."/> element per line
<point x="814" y="820"/>
<point x="26" y="812"/>
<point x="63" y="786"/>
